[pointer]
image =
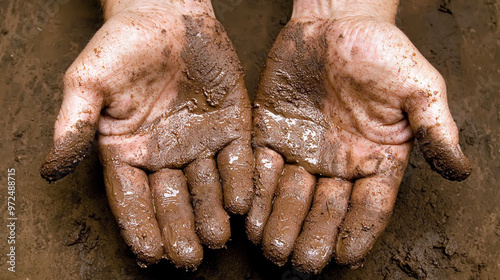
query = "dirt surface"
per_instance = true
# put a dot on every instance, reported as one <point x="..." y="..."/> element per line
<point x="439" y="230"/>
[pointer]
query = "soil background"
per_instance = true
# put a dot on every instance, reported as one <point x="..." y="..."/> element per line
<point x="439" y="230"/>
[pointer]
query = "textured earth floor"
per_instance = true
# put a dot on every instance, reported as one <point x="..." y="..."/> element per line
<point x="439" y="230"/>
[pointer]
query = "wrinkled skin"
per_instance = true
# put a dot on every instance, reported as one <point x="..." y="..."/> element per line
<point x="338" y="106"/>
<point x="165" y="91"/>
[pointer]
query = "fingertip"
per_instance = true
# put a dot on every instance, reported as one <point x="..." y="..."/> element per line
<point x="315" y="246"/>
<point x="237" y="206"/>
<point x="308" y="257"/>
<point x="68" y="151"/>
<point x="215" y="233"/>
<point x="291" y="205"/>
<point x="446" y="159"/>
<point x="357" y="237"/>
<point x="211" y="220"/>
<point x="268" y="168"/>
<point x="131" y="203"/>
<point x="350" y="251"/>
<point x="371" y="205"/>
<point x="148" y="256"/>
<point x="254" y="228"/>
<point x="188" y="255"/>
<point x="176" y="219"/>
<point x="236" y="163"/>
<point x="144" y="241"/>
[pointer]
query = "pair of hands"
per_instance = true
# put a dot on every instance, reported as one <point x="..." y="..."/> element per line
<point x="338" y="105"/>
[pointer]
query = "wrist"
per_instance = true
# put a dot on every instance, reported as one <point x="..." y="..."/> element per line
<point x="337" y="9"/>
<point x="186" y="7"/>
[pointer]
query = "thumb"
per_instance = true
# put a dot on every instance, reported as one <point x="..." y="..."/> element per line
<point x="74" y="130"/>
<point x="436" y="132"/>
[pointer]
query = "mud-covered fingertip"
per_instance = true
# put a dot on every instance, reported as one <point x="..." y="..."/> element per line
<point x="275" y="257"/>
<point x="68" y="151"/>
<point x="187" y="255"/>
<point x="306" y="269"/>
<point x="276" y="250"/>
<point x="148" y="255"/>
<point x="354" y="242"/>
<point x="188" y="260"/>
<point x="51" y="173"/>
<point x="144" y="260"/>
<point x="215" y="238"/>
<point x="346" y="256"/>
<point x="147" y="248"/>
<point x="238" y="205"/>
<point x="447" y="160"/>
<point x="56" y="166"/>
<point x="451" y="164"/>
<point x="306" y="261"/>
<point x="254" y="230"/>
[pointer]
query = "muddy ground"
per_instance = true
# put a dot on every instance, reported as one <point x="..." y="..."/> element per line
<point x="440" y="229"/>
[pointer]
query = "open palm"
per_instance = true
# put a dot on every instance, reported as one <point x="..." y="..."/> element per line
<point x="165" y="91"/>
<point x="337" y="108"/>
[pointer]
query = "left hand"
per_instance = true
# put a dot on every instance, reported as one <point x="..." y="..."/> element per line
<point x="337" y="108"/>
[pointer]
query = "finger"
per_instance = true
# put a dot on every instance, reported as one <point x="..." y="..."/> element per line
<point x="292" y="202"/>
<point x="372" y="201"/>
<point x="74" y="130"/>
<point x="132" y="205"/>
<point x="268" y="168"/>
<point x="175" y="217"/>
<point x="315" y="245"/>
<point x="236" y="165"/>
<point x="437" y="133"/>
<point x="211" y="220"/>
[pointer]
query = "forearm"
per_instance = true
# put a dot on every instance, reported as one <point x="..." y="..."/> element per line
<point x="334" y="9"/>
<point x="112" y="7"/>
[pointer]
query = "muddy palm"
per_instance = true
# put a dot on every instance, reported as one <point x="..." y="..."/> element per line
<point x="338" y="105"/>
<point x="162" y="85"/>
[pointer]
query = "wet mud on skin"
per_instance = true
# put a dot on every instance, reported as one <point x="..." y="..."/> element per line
<point x="210" y="85"/>
<point x="436" y="154"/>
<point x="209" y="92"/>
<point x="176" y="219"/>
<point x="211" y="64"/>
<point x="58" y="164"/>
<point x="290" y="207"/>
<point x="291" y="115"/>
<point x="439" y="229"/>
<point x="212" y="222"/>
<point x="130" y="198"/>
<point x="303" y="75"/>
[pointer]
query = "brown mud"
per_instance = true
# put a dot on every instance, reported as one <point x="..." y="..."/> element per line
<point x="437" y="154"/>
<point x="331" y="200"/>
<point x="439" y="229"/>
<point x="213" y="68"/>
<point x="212" y="222"/>
<point x="176" y="218"/>
<point x="58" y="162"/>
<point x="268" y="168"/>
<point x="290" y="207"/>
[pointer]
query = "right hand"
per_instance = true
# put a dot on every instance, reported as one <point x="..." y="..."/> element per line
<point x="162" y="84"/>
